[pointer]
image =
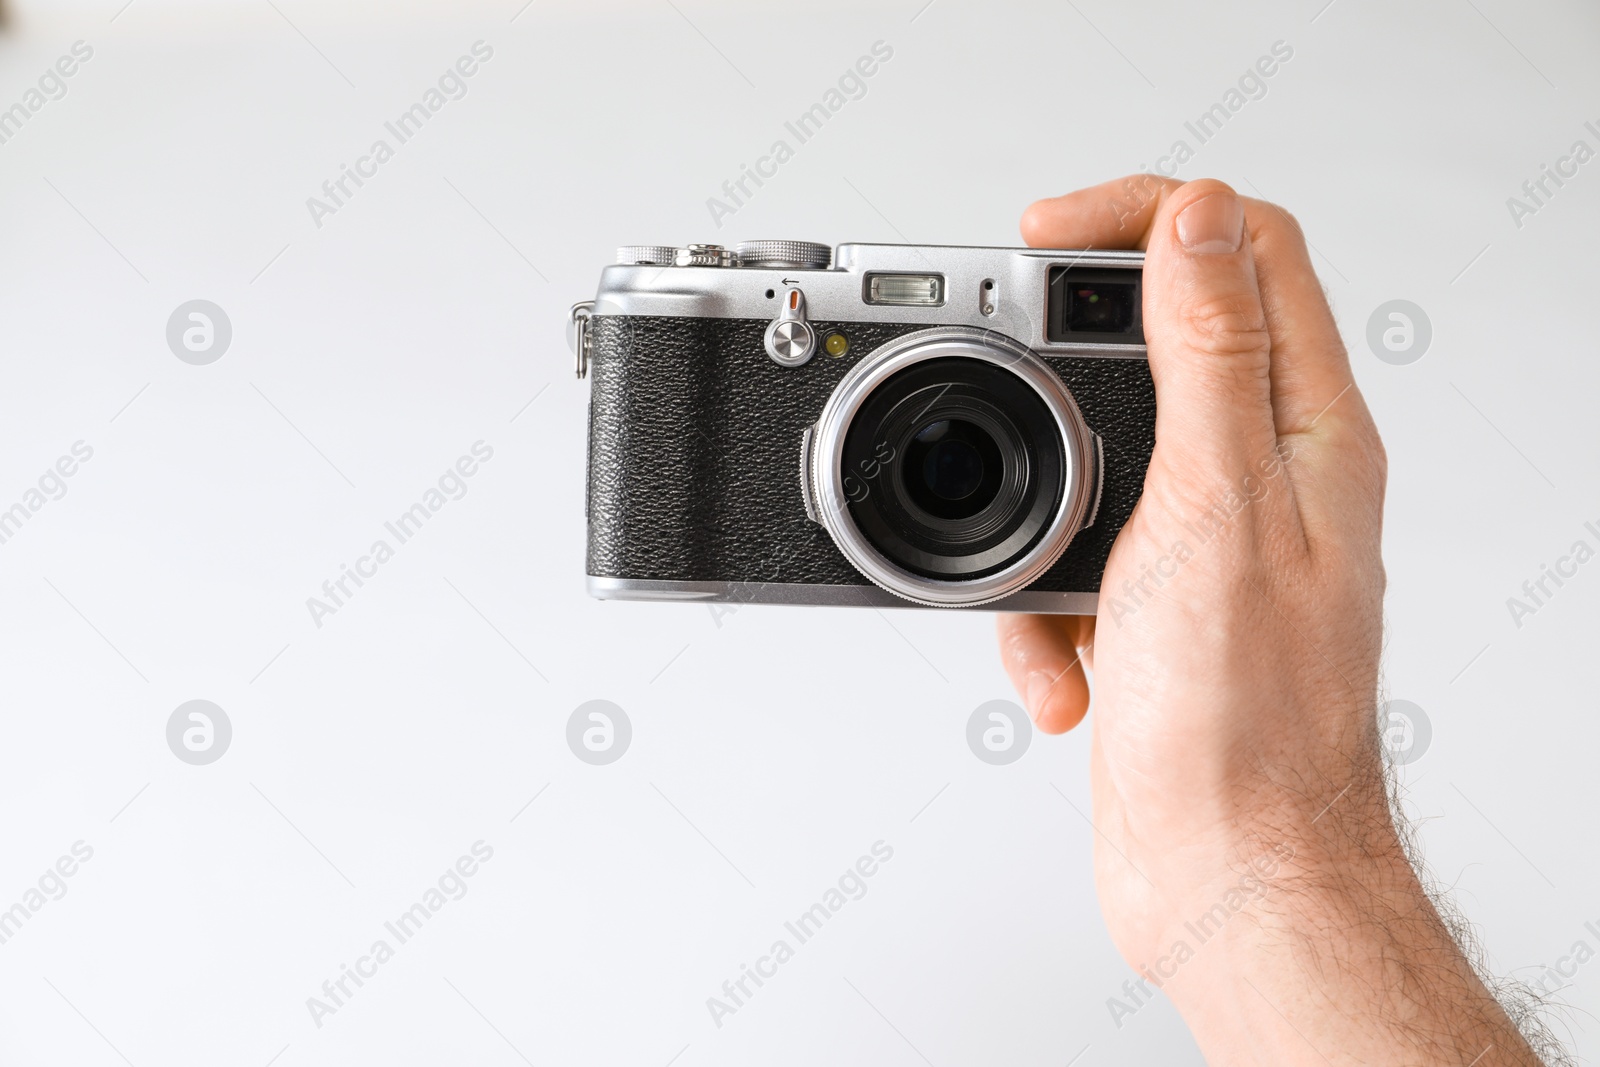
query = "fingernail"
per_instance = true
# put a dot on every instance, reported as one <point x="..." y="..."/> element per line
<point x="1214" y="223"/>
<point x="1039" y="685"/>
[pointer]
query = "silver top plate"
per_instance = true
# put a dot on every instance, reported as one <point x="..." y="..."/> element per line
<point x="1001" y="289"/>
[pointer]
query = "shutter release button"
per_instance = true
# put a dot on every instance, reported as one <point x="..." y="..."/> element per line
<point x="790" y="339"/>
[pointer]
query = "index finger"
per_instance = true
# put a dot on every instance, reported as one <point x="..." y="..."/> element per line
<point x="1114" y="214"/>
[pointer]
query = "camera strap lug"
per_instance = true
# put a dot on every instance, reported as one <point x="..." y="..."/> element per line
<point x="578" y="338"/>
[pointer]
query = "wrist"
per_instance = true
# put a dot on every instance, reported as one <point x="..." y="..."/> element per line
<point x="1322" y="946"/>
<point x="1302" y="831"/>
<point x="1274" y="868"/>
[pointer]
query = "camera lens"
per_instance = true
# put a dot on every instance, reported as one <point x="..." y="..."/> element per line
<point x="952" y="468"/>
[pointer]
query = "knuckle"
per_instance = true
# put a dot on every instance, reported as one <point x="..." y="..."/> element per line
<point x="1274" y="227"/>
<point x="1141" y="189"/>
<point x="1287" y="223"/>
<point x="1019" y="640"/>
<point x="1232" y="324"/>
<point x="1364" y="454"/>
<point x="1133" y="195"/>
<point x="1378" y="458"/>
<point x="1376" y="475"/>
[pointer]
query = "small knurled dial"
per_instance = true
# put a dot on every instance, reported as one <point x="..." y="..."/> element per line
<point x="790" y="339"/>
<point x="706" y="256"/>
<point x="800" y="255"/>
<point x="650" y="255"/>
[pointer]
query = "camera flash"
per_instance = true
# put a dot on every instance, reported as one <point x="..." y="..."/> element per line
<point x="906" y="290"/>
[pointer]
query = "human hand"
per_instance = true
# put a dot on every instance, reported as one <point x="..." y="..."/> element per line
<point x="1235" y="654"/>
<point x="1236" y="649"/>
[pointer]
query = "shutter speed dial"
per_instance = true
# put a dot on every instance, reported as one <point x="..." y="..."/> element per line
<point x="780" y="255"/>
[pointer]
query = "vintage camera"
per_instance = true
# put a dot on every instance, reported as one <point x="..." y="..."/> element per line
<point x="783" y="422"/>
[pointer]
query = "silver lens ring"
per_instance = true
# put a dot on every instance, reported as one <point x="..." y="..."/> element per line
<point x="827" y="460"/>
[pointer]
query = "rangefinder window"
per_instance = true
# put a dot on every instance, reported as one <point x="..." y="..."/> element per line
<point x="1095" y="305"/>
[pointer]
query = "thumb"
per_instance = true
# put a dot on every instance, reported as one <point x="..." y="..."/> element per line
<point x="1207" y="336"/>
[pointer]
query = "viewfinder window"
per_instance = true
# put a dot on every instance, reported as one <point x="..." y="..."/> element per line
<point x="1096" y="305"/>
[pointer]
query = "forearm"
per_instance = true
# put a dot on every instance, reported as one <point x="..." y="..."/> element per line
<point x="1342" y="959"/>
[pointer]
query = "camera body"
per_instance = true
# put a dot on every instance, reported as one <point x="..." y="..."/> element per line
<point x="876" y="425"/>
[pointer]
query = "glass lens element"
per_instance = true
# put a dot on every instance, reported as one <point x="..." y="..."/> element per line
<point x="952" y="468"/>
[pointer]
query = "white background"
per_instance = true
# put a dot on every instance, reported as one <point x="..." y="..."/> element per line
<point x="771" y="751"/>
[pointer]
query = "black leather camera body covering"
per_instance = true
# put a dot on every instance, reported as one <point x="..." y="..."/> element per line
<point x="695" y="444"/>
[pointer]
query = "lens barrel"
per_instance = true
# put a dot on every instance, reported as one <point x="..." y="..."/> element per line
<point x="952" y="467"/>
